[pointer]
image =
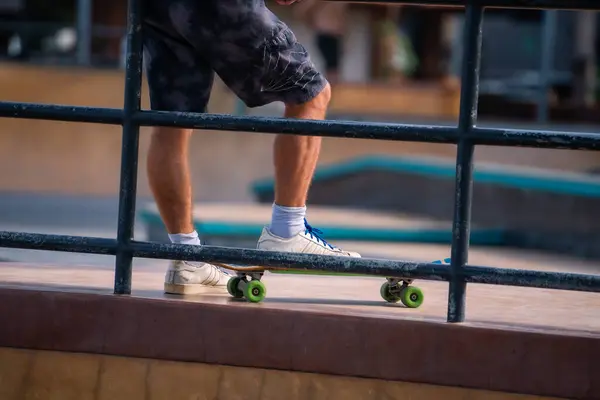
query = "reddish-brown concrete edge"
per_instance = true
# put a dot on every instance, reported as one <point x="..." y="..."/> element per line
<point x="391" y="349"/>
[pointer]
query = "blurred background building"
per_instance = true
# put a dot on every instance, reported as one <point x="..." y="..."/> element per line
<point x="532" y="59"/>
<point x="536" y="64"/>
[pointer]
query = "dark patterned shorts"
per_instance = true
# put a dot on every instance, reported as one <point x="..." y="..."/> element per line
<point x="253" y="52"/>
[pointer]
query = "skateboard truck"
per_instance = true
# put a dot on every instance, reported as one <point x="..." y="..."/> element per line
<point x="247" y="285"/>
<point x="396" y="289"/>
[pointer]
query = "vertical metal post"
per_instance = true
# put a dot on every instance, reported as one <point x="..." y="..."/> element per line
<point x="84" y="32"/>
<point x="129" y="152"/>
<point x="464" y="161"/>
<point x="547" y="62"/>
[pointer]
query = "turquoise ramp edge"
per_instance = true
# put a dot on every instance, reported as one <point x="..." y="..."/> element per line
<point x="487" y="237"/>
<point x="578" y="184"/>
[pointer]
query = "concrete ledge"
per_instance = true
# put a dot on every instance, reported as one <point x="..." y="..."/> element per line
<point x="561" y="364"/>
<point x="44" y="374"/>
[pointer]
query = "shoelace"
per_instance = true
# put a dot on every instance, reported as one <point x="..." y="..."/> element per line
<point x="316" y="234"/>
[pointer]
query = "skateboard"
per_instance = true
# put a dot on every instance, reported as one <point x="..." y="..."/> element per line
<point x="247" y="284"/>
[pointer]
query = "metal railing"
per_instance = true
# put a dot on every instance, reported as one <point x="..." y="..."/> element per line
<point x="466" y="135"/>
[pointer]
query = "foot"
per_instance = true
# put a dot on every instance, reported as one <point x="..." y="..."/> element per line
<point x="184" y="277"/>
<point x="307" y="241"/>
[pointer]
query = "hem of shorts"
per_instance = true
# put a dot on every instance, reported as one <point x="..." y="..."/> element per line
<point x="165" y="108"/>
<point x="293" y="98"/>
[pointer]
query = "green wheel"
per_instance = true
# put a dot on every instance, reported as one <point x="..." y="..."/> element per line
<point x="387" y="295"/>
<point x="232" y="287"/>
<point x="255" y="291"/>
<point x="411" y="296"/>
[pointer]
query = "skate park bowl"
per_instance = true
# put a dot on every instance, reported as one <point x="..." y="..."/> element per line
<point x="496" y="323"/>
<point x="522" y="207"/>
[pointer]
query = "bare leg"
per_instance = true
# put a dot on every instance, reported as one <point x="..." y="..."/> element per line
<point x="169" y="177"/>
<point x="295" y="161"/>
<point x="296" y="157"/>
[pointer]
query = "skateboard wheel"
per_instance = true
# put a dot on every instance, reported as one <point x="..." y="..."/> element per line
<point x="232" y="287"/>
<point x="255" y="291"/>
<point x="411" y="296"/>
<point x="387" y="294"/>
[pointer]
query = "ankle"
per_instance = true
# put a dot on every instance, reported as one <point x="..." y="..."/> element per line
<point x="185" y="238"/>
<point x="287" y="222"/>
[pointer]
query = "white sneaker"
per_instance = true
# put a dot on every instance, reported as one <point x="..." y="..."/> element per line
<point x="307" y="241"/>
<point x="184" y="277"/>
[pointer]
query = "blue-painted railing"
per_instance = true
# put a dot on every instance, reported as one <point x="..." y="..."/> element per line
<point x="466" y="135"/>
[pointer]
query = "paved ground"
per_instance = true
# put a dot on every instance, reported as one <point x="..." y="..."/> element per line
<point x="75" y="216"/>
<point x="509" y="307"/>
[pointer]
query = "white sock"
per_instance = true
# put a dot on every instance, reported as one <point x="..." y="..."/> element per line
<point x="287" y="222"/>
<point x="185" y="238"/>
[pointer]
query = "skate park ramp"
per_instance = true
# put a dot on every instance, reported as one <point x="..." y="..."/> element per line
<point x="531" y="207"/>
<point x="66" y="336"/>
<point x="240" y="225"/>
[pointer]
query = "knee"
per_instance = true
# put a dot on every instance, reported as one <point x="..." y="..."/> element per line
<point x="323" y="98"/>
<point x="316" y="107"/>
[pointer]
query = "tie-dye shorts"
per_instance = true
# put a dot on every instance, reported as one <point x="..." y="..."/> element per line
<point x="255" y="54"/>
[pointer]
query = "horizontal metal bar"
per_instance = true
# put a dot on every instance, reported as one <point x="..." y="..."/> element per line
<point x="535" y="4"/>
<point x="373" y="130"/>
<point x="308" y="262"/>
<point x="90" y="245"/>
<point x="366" y="266"/>
<point x="65" y="243"/>
<point x="536" y="138"/>
<point x="532" y="279"/>
<point x="328" y="128"/>
<point x="347" y="129"/>
<point x="52" y="112"/>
